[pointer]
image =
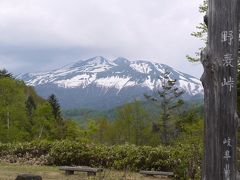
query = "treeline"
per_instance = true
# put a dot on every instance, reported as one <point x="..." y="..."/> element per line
<point x="24" y="116"/>
<point x="133" y="124"/>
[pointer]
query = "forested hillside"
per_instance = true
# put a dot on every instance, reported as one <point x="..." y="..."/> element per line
<point x="25" y="116"/>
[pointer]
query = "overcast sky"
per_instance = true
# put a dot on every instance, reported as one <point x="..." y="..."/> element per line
<point x="39" y="35"/>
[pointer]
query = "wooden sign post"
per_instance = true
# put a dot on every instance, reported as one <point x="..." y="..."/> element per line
<point x="219" y="79"/>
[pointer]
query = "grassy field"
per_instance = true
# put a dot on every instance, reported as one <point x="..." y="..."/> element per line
<point x="10" y="172"/>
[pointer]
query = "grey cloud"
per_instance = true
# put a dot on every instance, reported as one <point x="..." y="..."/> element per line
<point x="47" y="34"/>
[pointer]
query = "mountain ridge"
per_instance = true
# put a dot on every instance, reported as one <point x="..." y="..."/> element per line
<point x="109" y="79"/>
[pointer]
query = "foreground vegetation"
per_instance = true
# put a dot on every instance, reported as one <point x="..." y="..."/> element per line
<point x="179" y="159"/>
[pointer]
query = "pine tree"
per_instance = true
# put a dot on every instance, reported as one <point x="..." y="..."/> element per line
<point x="30" y="106"/>
<point x="56" y="109"/>
<point x="168" y="97"/>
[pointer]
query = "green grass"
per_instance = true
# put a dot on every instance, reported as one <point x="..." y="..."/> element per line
<point x="10" y="172"/>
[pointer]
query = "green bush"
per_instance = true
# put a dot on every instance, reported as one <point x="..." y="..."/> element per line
<point x="181" y="159"/>
<point x="142" y="157"/>
<point x="36" y="148"/>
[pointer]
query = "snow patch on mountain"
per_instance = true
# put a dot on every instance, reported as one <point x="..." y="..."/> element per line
<point x="119" y="74"/>
<point x="77" y="81"/>
<point x="141" y="67"/>
<point x="113" y="81"/>
<point x="159" y="67"/>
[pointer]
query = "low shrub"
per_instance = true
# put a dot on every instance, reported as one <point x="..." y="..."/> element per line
<point x="181" y="159"/>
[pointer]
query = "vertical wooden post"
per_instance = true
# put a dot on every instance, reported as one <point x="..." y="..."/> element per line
<point x="219" y="79"/>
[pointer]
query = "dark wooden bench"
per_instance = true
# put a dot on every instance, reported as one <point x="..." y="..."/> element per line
<point x="69" y="170"/>
<point x="28" y="177"/>
<point x="156" y="173"/>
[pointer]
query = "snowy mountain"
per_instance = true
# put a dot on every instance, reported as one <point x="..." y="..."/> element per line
<point x="102" y="83"/>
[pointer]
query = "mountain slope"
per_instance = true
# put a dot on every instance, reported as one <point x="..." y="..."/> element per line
<point x="101" y="83"/>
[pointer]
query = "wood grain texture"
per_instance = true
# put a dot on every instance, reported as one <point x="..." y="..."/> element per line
<point x="220" y="100"/>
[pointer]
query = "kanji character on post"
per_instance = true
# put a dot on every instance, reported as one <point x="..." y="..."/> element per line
<point x="227" y="141"/>
<point x="229" y="83"/>
<point x="227" y="155"/>
<point x="227" y="172"/>
<point x="227" y="60"/>
<point x="227" y="36"/>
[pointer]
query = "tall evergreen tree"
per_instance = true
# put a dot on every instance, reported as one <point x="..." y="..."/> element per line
<point x="56" y="109"/>
<point x="30" y="106"/>
<point x="168" y="97"/>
